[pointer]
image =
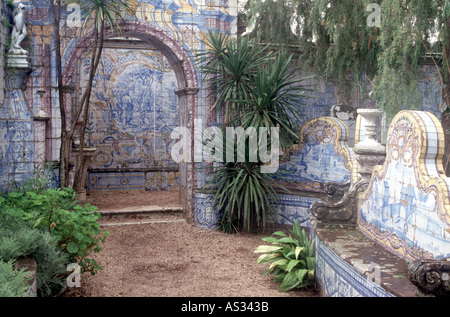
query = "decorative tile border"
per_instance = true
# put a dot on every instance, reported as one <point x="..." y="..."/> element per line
<point x="157" y="180"/>
<point x="290" y="208"/>
<point x="205" y="216"/>
<point x="337" y="278"/>
<point x="294" y="208"/>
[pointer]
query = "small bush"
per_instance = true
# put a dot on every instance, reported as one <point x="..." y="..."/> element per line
<point x="75" y="227"/>
<point x="13" y="283"/>
<point x="49" y="224"/>
<point x="31" y="242"/>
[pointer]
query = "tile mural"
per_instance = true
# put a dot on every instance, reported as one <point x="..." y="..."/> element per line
<point x="406" y="206"/>
<point x="321" y="156"/>
<point x="134" y="109"/>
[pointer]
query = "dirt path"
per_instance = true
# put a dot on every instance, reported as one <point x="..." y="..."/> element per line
<point x="177" y="259"/>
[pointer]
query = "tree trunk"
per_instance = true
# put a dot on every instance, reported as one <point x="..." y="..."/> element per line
<point x="64" y="152"/>
<point x="445" y="121"/>
<point x="95" y="60"/>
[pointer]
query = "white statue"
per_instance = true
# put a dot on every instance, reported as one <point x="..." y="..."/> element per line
<point x="19" y="30"/>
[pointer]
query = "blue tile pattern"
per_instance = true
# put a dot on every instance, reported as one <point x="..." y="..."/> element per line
<point x="337" y="278"/>
<point x="406" y="206"/>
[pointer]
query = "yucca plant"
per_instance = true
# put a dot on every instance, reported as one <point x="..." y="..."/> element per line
<point x="244" y="194"/>
<point x="290" y="259"/>
<point x="228" y="65"/>
<point x="253" y="88"/>
<point x="273" y="98"/>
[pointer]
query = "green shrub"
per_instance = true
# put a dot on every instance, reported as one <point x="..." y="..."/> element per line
<point x="290" y="259"/>
<point x="41" y="221"/>
<point x="31" y="242"/>
<point x="13" y="283"/>
<point x="75" y="227"/>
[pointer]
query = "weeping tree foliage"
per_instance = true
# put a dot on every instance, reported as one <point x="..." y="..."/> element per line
<point x="333" y="38"/>
<point x="410" y="32"/>
<point x="339" y="41"/>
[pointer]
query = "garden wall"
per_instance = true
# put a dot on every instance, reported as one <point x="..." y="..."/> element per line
<point x="322" y="157"/>
<point x="147" y="83"/>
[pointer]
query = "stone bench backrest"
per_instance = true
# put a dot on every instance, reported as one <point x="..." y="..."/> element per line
<point x="406" y="205"/>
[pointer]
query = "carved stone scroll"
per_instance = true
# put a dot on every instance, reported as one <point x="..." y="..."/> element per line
<point x="432" y="277"/>
<point x="342" y="212"/>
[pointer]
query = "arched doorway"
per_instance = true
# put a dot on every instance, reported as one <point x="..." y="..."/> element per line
<point x="186" y="81"/>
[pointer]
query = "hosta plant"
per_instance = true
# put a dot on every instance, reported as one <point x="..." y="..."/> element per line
<point x="290" y="258"/>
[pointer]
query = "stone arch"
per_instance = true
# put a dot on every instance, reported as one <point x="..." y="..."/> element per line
<point x="186" y="80"/>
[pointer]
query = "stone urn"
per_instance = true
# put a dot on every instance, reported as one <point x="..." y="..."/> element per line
<point x="368" y="151"/>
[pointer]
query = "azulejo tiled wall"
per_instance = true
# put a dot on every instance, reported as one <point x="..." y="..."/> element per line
<point x="321" y="156"/>
<point x="162" y="179"/>
<point x="17" y="132"/>
<point x="134" y="110"/>
<point x="406" y="207"/>
<point x="290" y="208"/>
<point x="206" y="217"/>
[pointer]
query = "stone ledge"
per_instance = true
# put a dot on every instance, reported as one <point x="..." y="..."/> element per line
<point x="31" y="266"/>
<point x="362" y="254"/>
<point x="141" y="211"/>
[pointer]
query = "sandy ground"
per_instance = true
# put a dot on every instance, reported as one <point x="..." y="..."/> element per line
<point x="173" y="258"/>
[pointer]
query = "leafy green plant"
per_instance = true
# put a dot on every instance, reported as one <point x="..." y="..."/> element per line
<point x="290" y="259"/>
<point x="253" y="88"/>
<point x="13" y="283"/>
<point x="41" y="179"/>
<point x="75" y="227"/>
<point x="245" y="194"/>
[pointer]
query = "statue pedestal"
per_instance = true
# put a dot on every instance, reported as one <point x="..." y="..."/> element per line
<point x="18" y="59"/>
<point x="366" y="159"/>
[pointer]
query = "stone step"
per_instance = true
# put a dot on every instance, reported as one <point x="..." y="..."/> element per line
<point x="141" y="215"/>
